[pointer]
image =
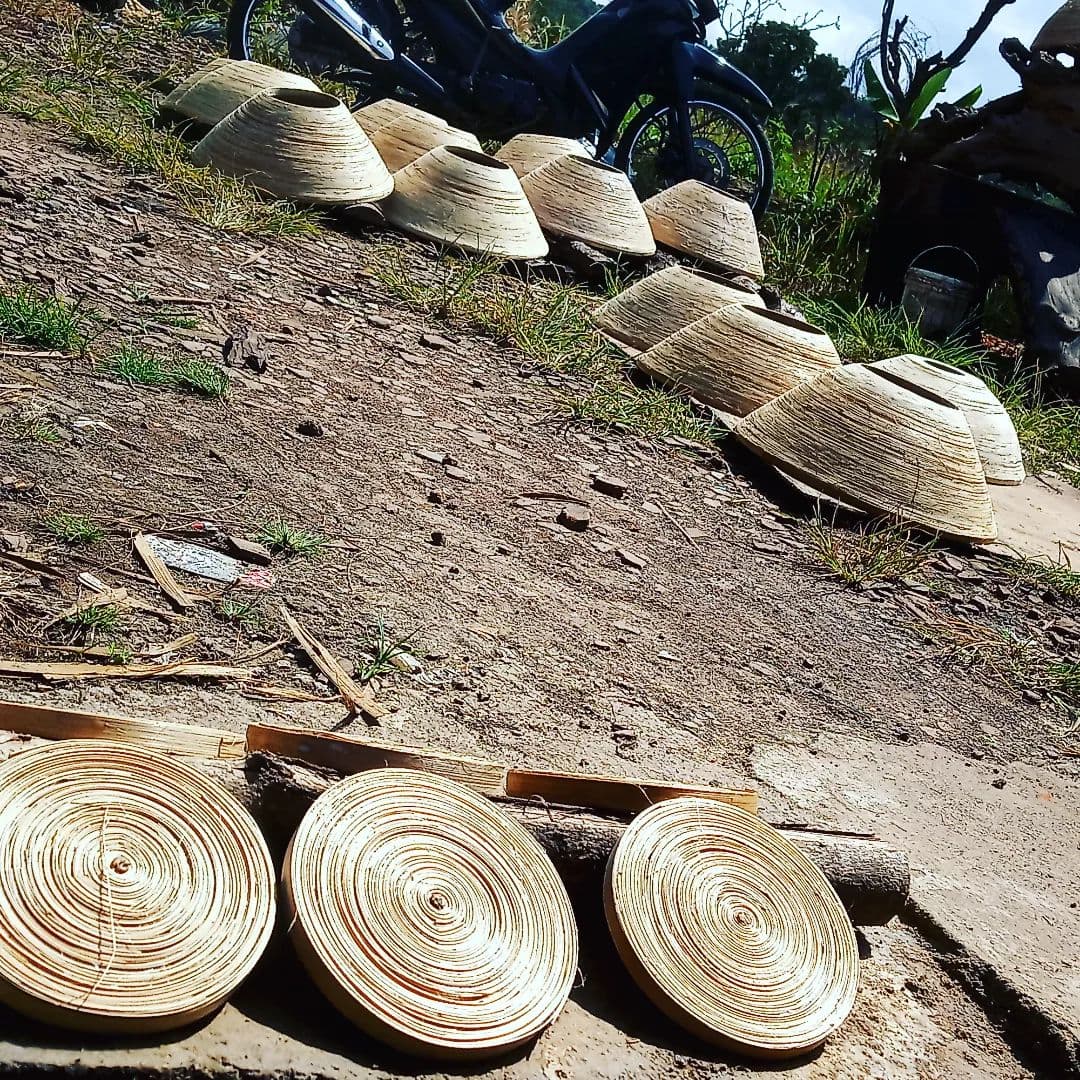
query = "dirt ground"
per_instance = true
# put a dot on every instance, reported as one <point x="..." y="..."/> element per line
<point x="536" y="645"/>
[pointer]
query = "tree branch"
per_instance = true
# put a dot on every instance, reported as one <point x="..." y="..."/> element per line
<point x="959" y="54"/>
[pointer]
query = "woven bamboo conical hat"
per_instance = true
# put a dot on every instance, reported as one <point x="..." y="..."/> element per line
<point x="708" y="224"/>
<point x="224" y="85"/>
<point x="168" y="103"/>
<point x="863" y="437"/>
<point x="586" y="200"/>
<point x="135" y="893"/>
<point x="730" y="929"/>
<point x="407" y="138"/>
<point x="991" y="427"/>
<point x="740" y="357"/>
<point x="662" y="303"/>
<point x="523" y="153"/>
<point x="298" y="144"/>
<point x="463" y="197"/>
<point x="387" y="110"/>
<point x="428" y="917"/>
<point x="1061" y="32"/>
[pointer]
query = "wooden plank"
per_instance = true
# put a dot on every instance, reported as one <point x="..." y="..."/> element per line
<point x="186" y="740"/>
<point x="612" y="793"/>
<point x="357" y="698"/>
<point x="162" y="574"/>
<point x="346" y="755"/>
<point x="123" y="671"/>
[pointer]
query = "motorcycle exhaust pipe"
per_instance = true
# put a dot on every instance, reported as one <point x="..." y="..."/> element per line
<point x="357" y="28"/>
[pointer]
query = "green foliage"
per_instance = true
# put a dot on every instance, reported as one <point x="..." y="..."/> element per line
<point x="47" y="322"/>
<point x="382" y="652"/>
<point x="278" y="535"/>
<point x="203" y="376"/>
<point x="243" y="614"/>
<point x="75" y="529"/>
<point x="91" y="622"/>
<point x="910" y="113"/>
<point x="137" y="364"/>
<point x="873" y="552"/>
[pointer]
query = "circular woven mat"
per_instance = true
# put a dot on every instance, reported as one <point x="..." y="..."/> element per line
<point x="729" y="929"/>
<point x="429" y="918"/>
<point x="135" y="895"/>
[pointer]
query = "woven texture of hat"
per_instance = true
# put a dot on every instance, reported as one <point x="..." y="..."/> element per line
<point x="225" y="85"/>
<point x="135" y="895"/>
<point x="708" y="224"/>
<point x="729" y="929"/>
<point x="662" y="303"/>
<point x="526" y="152"/>
<point x="409" y="138"/>
<point x="585" y="200"/>
<point x="1061" y="32"/>
<point x="461" y="197"/>
<point x="740" y="357"/>
<point x="991" y="426"/>
<point x="298" y="144"/>
<point x="387" y="110"/>
<point x="859" y="436"/>
<point x="428" y="917"/>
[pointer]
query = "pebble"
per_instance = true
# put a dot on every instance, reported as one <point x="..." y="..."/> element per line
<point x="609" y="485"/>
<point x="311" y="428"/>
<point x="574" y="518"/>
<point x="455" y="473"/>
<point x="436" y="341"/>
<point x="630" y="559"/>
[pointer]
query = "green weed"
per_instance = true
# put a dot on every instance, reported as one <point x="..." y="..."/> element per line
<point x="873" y="552"/>
<point x="202" y="376"/>
<point x="90" y="623"/>
<point x="75" y="529"/>
<point x="1049" y="431"/>
<point x="383" y="652"/>
<point x="29" y="423"/>
<point x="1059" y="578"/>
<point x="278" y="535"/>
<point x="46" y="322"/>
<point x="244" y="614"/>
<point x="137" y="364"/>
<point x="119" y="652"/>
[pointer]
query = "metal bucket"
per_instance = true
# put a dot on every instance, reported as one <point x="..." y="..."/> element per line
<point x="937" y="303"/>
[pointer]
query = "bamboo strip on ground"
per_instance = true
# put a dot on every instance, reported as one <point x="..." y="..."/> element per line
<point x="347" y="755"/>
<point x="162" y="574"/>
<point x="28" y="562"/>
<point x="177" y="669"/>
<point x="357" y="698"/>
<point x="186" y="740"/>
<point x="613" y="794"/>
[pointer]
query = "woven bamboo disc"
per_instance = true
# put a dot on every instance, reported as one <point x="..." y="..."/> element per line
<point x="991" y="426"/>
<point x="135" y="894"/>
<point x="586" y="200"/>
<point x="465" y="198"/>
<point x="1061" y="32"/>
<point x="408" y="138"/>
<point x="861" y="436"/>
<point x="523" y="153"/>
<point x="385" y="111"/>
<point x="224" y="85"/>
<point x="658" y="305"/>
<point x="298" y="144"/>
<point x="168" y="103"/>
<point x="708" y="224"/>
<point x="428" y="917"/>
<point x="740" y="357"/>
<point x="729" y="929"/>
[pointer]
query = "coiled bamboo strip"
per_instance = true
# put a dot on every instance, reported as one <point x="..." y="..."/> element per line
<point x="428" y="917"/>
<point x="386" y="110"/>
<point x="408" y="138"/>
<point x="730" y="930"/>
<point x="860" y="436"/>
<point x="662" y="303"/>
<point x="740" y="357"/>
<point x="708" y="224"/>
<point x="526" y="152"/>
<point x="298" y="144"/>
<point x="991" y="426"/>
<point x="586" y="200"/>
<point x="135" y="894"/>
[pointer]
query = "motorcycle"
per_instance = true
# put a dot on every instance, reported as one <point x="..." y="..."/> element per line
<point x="634" y="82"/>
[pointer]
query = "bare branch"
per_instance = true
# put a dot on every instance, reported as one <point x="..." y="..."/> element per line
<point x="982" y="24"/>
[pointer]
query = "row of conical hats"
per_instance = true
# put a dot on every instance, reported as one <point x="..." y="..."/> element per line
<point x="276" y="129"/>
<point x="907" y="435"/>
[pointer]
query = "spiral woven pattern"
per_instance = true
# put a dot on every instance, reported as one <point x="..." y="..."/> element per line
<point x="386" y="110"/>
<point x="135" y="895"/>
<point x="730" y="930"/>
<point x="429" y="918"/>
<point x="527" y="151"/>
<point x="410" y="137"/>
<point x="213" y="92"/>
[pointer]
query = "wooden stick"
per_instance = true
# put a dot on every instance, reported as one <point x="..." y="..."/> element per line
<point x="178" y="669"/>
<point x="110" y="598"/>
<point x="28" y="562"/>
<point x="162" y="574"/>
<point x="357" y="698"/>
<point x="45" y="722"/>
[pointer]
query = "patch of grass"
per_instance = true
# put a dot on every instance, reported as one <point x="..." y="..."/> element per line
<point x="94" y="621"/>
<point x="119" y="652"/>
<point x="1049" y="431"/>
<point x="137" y="364"/>
<point x="244" y="614"/>
<point x="30" y="424"/>
<point x="382" y="650"/>
<point x="202" y="376"/>
<point x="549" y="323"/>
<point x="75" y="529"/>
<point x="278" y="535"/>
<point x="46" y="322"/>
<point x="873" y="552"/>
<point x="1059" y="578"/>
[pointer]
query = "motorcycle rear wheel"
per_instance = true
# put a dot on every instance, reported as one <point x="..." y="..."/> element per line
<point x="731" y="150"/>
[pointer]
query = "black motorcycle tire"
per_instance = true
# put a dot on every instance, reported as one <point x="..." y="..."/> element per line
<point x="736" y="111"/>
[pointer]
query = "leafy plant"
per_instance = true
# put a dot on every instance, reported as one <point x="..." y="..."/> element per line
<point x="910" y="115"/>
<point x="278" y="535"/>
<point x="137" y="364"/>
<point x="75" y="529"/>
<point x="242" y="613"/>
<point x="382" y="650"/>
<point x="47" y="322"/>
<point x="93" y="621"/>
<point x="203" y="376"/>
